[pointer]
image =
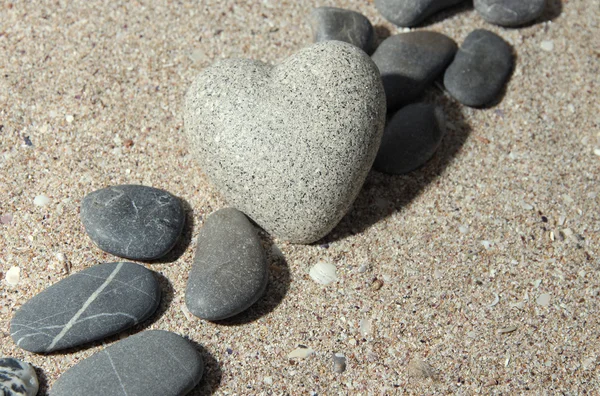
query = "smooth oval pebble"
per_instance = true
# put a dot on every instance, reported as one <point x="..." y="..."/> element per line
<point x="17" y="378"/>
<point x="410" y="139"/>
<point x="410" y="13"/>
<point x="509" y="13"/>
<point x="409" y="62"/>
<point x="134" y="222"/>
<point x="151" y="363"/>
<point x="331" y="23"/>
<point x="89" y="305"/>
<point x="229" y="273"/>
<point x="480" y="69"/>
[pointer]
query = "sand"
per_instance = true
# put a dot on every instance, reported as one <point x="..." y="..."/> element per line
<point x="476" y="274"/>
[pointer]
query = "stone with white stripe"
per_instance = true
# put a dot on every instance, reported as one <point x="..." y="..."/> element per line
<point x="151" y="363"/>
<point x="89" y="305"/>
<point x="17" y="378"/>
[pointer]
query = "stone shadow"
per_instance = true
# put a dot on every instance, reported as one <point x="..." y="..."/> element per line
<point x="211" y="378"/>
<point x="382" y="195"/>
<point x="44" y="388"/>
<point x="381" y="33"/>
<point x="185" y="239"/>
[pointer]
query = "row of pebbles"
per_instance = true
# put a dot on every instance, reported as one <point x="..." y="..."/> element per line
<point x="229" y="272"/>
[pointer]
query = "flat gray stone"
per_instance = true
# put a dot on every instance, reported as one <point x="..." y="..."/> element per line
<point x="151" y="363"/>
<point x="230" y="271"/>
<point x="17" y="378"/>
<point x="331" y="23"/>
<point x="410" y="13"/>
<point x="410" y="139"/>
<point x="134" y="222"/>
<point x="410" y="62"/>
<point x="480" y="69"/>
<point x="89" y="305"/>
<point x="509" y="12"/>
<point x="289" y="145"/>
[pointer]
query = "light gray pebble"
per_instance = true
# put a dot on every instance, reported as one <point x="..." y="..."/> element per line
<point x="331" y="23"/>
<point x="289" y="145"/>
<point x="339" y="363"/>
<point x="410" y="13"/>
<point x="509" y="13"/>
<point x="230" y="271"/>
<point x="17" y="378"/>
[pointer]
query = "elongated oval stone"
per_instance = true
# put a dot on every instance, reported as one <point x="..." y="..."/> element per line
<point x="89" y="305"/>
<point x="17" y="378"/>
<point x="151" y="363"/>
<point x="229" y="273"/>
<point x="134" y="222"/>
<point x="411" y="12"/>
<point x="509" y="12"/>
<point x="331" y="23"/>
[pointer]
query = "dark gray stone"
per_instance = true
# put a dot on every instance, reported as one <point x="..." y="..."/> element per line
<point x="480" y="69"/>
<point x="89" y="305"/>
<point x="229" y="273"/>
<point x="410" y="13"/>
<point x="410" y="139"/>
<point x="17" y="378"/>
<point x="509" y="12"/>
<point x="331" y="23"/>
<point x="151" y="363"/>
<point x="135" y="222"/>
<point x="409" y="62"/>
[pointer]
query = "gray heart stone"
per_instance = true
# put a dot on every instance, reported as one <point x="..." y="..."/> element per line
<point x="289" y="145"/>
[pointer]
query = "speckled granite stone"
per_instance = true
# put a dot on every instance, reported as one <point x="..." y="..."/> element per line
<point x="411" y="12"/>
<point x="86" y="306"/>
<point x="409" y="62"/>
<point x="410" y="138"/>
<point x="331" y="23"/>
<point x="135" y="222"/>
<point x="151" y="363"/>
<point x="480" y="68"/>
<point x="230" y="267"/>
<point x="289" y="145"/>
<point x="17" y="378"/>
<point x="509" y="12"/>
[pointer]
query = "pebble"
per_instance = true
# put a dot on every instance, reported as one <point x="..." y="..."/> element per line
<point x="339" y="363"/>
<point x="13" y="276"/>
<point x="410" y="139"/>
<point x="331" y="23"/>
<point x="323" y="273"/>
<point x="89" y="305"/>
<point x="410" y="13"/>
<point x="17" y="378"/>
<point x="134" y="222"/>
<point x="151" y="363"/>
<point x="289" y="145"/>
<point x="480" y="69"/>
<point x="41" y="200"/>
<point x="409" y="62"/>
<point x="547" y="45"/>
<point x="509" y="13"/>
<point x="230" y="270"/>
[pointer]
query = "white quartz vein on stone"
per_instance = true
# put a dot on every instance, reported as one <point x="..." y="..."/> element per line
<point x="115" y="370"/>
<point x="87" y="303"/>
<point x="123" y="283"/>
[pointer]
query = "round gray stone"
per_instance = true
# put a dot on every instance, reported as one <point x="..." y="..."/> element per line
<point x="89" y="305"/>
<point x="409" y="62"/>
<point x="480" y="69"/>
<point x="410" y="13"/>
<point x="230" y="272"/>
<point x="289" y="145"/>
<point x="410" y="139"/>
<point x="151" y="363"/>
<point x="509" y="12"/>
<point x="331" y="23"/>
<point x="134" y="222"/>
<point x="17" y="378"/>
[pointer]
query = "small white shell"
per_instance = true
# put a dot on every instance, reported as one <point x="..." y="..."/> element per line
<point x="301" y="352"/>
<point x="13" y="276"/>
<point x="41" y="200"/>
<point x="323" y="273"/>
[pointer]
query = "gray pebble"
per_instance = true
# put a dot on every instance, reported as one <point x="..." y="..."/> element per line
<point x="480" y="69"/>
<point x="409" y="62"/>
<point x="410" y="139"/>
<point x="17" y="378"/>
<point x="509" y="12"/>
<point x="229" y="273"/>
<point x="151" y="363"/>
<point x="135" y="222"/>
<point x="289" y="145"/>
<point x="339" y="363"/>
<point x="410" y="13"/>
<point x="331" y="23"/>
<point x="89" y="305"/>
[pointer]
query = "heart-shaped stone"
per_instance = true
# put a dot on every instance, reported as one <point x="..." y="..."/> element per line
<point x="289" y="145"/>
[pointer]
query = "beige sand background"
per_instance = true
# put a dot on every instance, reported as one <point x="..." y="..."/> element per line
<point x="499" y="231"/>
